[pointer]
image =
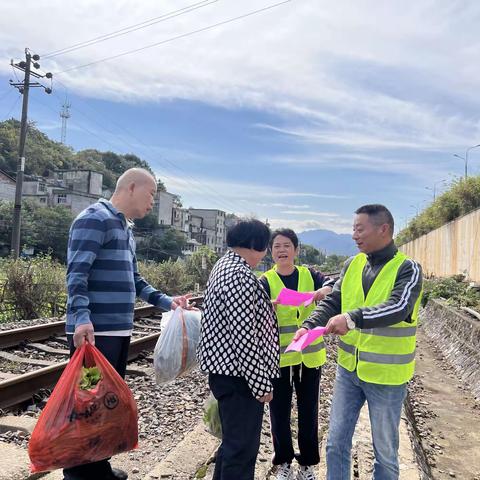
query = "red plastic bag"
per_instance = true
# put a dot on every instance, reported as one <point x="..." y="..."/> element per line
<point x="82" y="426"/>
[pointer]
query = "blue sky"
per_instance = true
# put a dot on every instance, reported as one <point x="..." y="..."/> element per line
<point x="298" y="114"/>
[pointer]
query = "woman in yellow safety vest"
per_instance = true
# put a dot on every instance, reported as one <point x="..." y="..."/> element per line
<point x="302" y="370"/>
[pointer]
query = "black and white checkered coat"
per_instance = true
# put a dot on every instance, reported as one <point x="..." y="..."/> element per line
<point x="239" y="335"/>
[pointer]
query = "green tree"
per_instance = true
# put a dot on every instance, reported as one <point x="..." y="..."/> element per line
<point x="50" y="227"/>
<point x="146" y="224"/>
<point x="333" y="263"/>
<point x="163" y="246"/>
<point x="310" y="255"/>
<point x="45" y="229"/>
<point x="42" y="154"/>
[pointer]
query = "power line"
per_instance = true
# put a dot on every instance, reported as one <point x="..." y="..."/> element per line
<point x="5" y="94"/>
<point x="13" y="106"/>
<point x="177" y="37"/>
<point x="132" y="28"/>
<point x="195" y="184"/>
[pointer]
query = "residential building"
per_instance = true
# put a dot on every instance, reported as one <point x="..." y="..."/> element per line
<point x="197" y="230"/>
<point x="181" y="219"/>
<point x="163" y="208"/>
<point x="7" y="187"/>
<point x="86" y="181"/>
<point x="214" y="225"/>
<point x="74" y="189"/>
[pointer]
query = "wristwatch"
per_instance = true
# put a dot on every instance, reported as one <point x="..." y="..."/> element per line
<point x="350" y="323"/>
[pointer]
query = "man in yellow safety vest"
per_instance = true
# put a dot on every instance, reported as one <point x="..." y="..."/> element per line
<point x="374" y="309"/>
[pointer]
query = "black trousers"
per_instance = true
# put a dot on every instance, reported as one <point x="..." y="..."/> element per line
<point x="241" y="418"/>
<point x="307" y="387"/>
<point x="115" y="350"/>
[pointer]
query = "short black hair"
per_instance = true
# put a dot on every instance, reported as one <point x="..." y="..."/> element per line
<point x="378" y="214"/>
<point x="250" y="233"/>
<point x="285" y="232"/>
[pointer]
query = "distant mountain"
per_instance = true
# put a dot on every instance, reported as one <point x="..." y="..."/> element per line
<point x="329" y="242"/>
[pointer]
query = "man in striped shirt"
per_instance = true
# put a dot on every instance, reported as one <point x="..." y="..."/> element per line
<point x="373" y="308"/>
<point x="103" y="282"/>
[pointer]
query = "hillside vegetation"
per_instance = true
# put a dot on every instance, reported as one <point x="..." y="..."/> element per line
<point x="43" y="155"/>
<point x="462" y="198"/>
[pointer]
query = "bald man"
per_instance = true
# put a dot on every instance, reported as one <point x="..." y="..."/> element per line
<point x="103" y="281"/>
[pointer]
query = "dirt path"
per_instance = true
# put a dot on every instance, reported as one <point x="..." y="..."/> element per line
<point x="447" y="416"/>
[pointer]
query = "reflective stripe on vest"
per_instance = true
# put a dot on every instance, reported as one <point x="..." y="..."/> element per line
<point x="383" y="355"/>
<point x="290" y="320"/>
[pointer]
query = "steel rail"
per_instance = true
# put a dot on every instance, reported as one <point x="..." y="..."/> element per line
<point x="34" y="333"/>
<point x="10" y="338"/>
<point x="21" y="388"/>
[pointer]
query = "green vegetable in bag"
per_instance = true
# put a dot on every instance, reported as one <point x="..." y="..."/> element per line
<point x="90" y="377"/>
<point x="211" y="417"/>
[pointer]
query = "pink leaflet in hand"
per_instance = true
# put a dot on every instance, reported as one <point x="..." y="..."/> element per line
<point x="305" y="340"/>
<point x="294" y="298"/>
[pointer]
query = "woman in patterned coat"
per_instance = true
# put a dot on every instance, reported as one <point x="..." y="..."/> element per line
<point x="239" y="348"/>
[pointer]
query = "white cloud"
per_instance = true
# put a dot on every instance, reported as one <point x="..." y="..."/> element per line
<point x="337" y="66"/>
<point x="283" y="205"/>
<point x="242" y="198"/>
<point x="302" y="194"/>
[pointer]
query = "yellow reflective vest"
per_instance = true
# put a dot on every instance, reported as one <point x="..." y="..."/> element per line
<point x="290" y="319"/>
<point x="383" y="355"/>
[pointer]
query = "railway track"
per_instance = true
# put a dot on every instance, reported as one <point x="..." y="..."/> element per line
<point x="18" y="388"/>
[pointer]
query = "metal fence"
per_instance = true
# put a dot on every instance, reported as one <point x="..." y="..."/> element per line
<point x="451" y="249"/>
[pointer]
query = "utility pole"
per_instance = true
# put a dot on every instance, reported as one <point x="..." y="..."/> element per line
<point x="65" y="115"/>
<point x="23" y="88"/>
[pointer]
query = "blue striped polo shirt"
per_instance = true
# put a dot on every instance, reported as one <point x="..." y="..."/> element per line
<point x="102" y="275"/>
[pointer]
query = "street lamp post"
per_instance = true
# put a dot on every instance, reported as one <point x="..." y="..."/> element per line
<point x="465" y="158"/>
<point x="434" y="189"/>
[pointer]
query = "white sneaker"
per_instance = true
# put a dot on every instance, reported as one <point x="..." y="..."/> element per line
<point x="306" y="473"/>
<point x="284" y="472"/>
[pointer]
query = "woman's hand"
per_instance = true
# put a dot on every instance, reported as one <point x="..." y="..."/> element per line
<point x="299" y="333"/>
<point x="266" y="398"/>
<point x="321" y="293"/>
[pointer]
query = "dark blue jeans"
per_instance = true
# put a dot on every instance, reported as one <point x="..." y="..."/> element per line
<point x="384" y="407"/>
<point x="241" y="418"/>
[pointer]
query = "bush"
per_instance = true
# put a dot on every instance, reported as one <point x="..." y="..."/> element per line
<point x="200" y="264"/>
<point x="453" y="290"/>
<point x="32" y="288"/>
<point x="169" y="277"/>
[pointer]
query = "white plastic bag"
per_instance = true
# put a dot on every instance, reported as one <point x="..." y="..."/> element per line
<point x="175" y="351"/>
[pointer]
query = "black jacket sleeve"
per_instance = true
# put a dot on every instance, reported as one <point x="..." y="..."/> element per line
<point x="264" y="283"/>
<point x="398" y="307"/>
<point x="329" y="306"/>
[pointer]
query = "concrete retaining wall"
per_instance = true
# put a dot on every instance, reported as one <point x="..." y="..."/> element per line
<point x="451" y="249"/>
<point x="458" y="335"/>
